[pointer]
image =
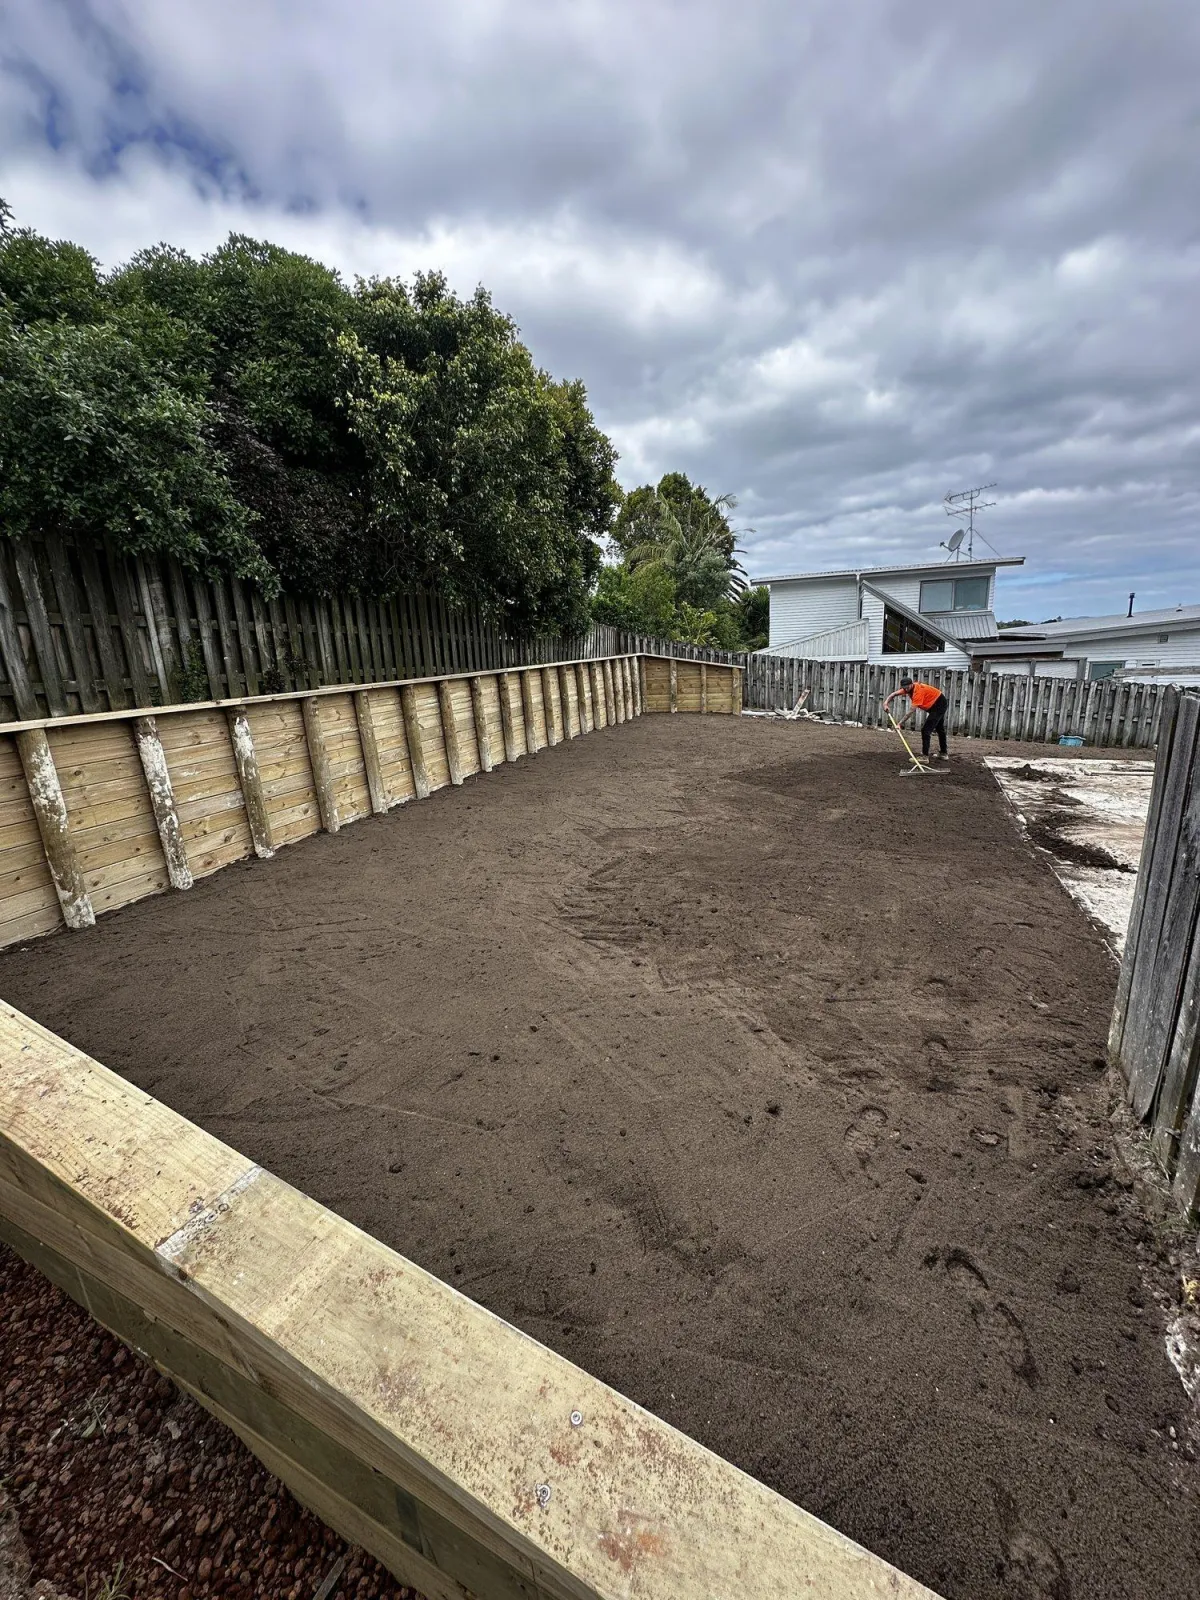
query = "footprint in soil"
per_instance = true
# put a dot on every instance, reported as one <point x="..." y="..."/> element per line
<point x="999" y="1327"/>
<point x="865" y="1132"/>
<point x="1030" y="1567"/>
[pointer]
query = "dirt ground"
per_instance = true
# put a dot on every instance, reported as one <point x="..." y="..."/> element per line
<point x="763" y="1083"/>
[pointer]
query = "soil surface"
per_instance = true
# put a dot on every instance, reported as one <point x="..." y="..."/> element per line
<point x="762" y="1082"/>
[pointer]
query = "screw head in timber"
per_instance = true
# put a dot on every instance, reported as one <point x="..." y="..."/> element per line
<point x="577" y="1419"/>
<point x="542" y="1495"/>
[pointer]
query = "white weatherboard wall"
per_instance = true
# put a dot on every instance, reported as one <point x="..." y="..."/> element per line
<point x="811" y="605"/>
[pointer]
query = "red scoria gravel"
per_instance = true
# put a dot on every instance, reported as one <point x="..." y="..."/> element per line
<point x="119" y="1479"/>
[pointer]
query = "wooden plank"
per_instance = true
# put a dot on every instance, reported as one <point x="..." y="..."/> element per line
<point x="627" y="688"/>
<point x="245" y="635"/>
<point x="318" y="755"/>
<point x="583" y="698"/>
<point x="450" y="732"/>
<point x="642" y="685"/>
<point x="50" y="812"/>
<point x="162" y="801"/>
<point x="527" y="711"/>
<point x="599" y="704"/>
<point x="704" y="689"/>
<point x="16" y="670"/>
<point x="547" y="679"/>
<point x="1129" y="959"/>
<point x="102" y="630"/>
<point x="674" y="684"/>
<point x="127" y="623"/>
<point x="1141" y="1073"/>
<point x="483" y="735"/>
<point x="45" y="653"/>
<point x="230" y="655"/>
<point x="570" y="728"/>
<point x="1184" y="1069"/>
<point x="737" y="691"/>
<point x="416" y="741"/>
<point x="282" y="1317"/>
<point x="372" y="765"/>
<point x="245" y="760"/>
<point x="71" y="609"/>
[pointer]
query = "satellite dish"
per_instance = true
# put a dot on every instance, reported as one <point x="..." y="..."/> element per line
<point x="955" y="540"/>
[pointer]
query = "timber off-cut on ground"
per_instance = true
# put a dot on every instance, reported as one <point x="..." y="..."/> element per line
<point x="765" y="1085"/>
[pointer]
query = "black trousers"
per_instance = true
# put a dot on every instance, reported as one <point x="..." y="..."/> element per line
<point x="935" y="722"/>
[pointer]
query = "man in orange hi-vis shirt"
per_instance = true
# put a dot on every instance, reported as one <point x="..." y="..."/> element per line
<point x="932" y="702"/>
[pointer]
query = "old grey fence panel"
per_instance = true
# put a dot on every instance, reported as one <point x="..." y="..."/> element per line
<point x="84" y="628"/>
<point x="983" y="705"/>
<point x="1155" y="1031"/>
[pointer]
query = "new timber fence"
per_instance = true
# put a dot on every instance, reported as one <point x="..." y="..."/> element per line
<point x="982" y="705"/>
<point x="101" y="809"/>
<point x="84" y="629"/>
<point x="472" y="1461"/>
<point x="1155" y="1032"/>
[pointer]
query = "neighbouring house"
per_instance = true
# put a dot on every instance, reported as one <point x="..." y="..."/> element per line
<point x="1148" y="646"/>
<point x="930" y="615"/>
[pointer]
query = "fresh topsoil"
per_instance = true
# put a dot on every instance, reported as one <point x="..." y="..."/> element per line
<point x="763" y="1082"/>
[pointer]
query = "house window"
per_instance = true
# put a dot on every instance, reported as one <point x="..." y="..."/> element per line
<point x="904" y="638"/>
<point x="1098" y="670"/>
<point x="954" y="594"/>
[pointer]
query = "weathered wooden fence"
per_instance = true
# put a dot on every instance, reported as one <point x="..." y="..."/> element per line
<point x="1155" y="1032"/>
<point x="85" y="629"/>
<point x="983" y="705"/>
<point x="100" y="810"/>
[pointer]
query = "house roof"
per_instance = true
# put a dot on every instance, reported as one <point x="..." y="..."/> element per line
<point x="907" y="567"/>
<point x="1081" y="627"/>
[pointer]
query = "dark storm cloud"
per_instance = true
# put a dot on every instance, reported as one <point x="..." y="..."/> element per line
<point x="836" y="259"/>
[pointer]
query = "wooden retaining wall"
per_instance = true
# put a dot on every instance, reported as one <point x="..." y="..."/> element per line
<point x="1155" y="1031"/>
<point x="983" y="705"/>
<point x="469" y="1459"/>
<point x="97" y="811"/>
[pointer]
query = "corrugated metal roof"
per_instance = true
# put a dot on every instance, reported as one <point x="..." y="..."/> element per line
<point x="965" y="624"/>
<point x="1139" y="622"/>
<point x="908" y="566"/>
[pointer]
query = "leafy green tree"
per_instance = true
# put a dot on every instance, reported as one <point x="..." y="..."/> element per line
<point x="754" y="617"/>
<point x="94" y="438"/>
<point x="637" y="602"/>
<point x="681" y="529"/>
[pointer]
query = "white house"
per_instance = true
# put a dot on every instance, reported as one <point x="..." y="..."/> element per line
<point x="1161" y="646"/>
<point x="929" y="614"/>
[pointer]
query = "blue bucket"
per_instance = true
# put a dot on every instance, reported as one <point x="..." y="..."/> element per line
<point x="1071" y="739"/>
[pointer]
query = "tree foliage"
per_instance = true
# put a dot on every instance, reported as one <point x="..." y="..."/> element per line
<point x="676" y="571"/>
<point x="250" y="410"/>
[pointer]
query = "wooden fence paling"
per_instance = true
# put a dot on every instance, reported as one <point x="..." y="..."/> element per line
<point x="1154" y="1035"/>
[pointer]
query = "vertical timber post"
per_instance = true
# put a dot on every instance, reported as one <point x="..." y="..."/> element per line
<point x="318" y="755"/>
<point x="703" y="688"/>
<point x="245" y="759"/>
<point x="504" y="684"/>
<point x="583" y="694"/>
<point x="737" y="691"/>
<point x="416" y="747"/>
<point x="610" y="696"/>
<point x="642" y="681"/>
<point x="599" y="709"/>
<point x="450" y="732"/>
<point x="50" y="810"/>
<point x="162" y="801"/>
<point x="636" y="676"/>
<point x="674" y="686"/>
<point x="482" y="737"/>
<point x="627" y="688"/>
<point x="372" y="765"/>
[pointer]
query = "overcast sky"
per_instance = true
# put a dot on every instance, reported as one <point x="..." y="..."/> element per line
<point x="838" y="260"/>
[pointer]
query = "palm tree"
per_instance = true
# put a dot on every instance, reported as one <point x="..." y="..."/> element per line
<point x="692" y="544"/>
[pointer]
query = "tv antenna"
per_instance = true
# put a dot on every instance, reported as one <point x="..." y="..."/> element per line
<point x="954" y="542"/>
<point x="969" y="501"/>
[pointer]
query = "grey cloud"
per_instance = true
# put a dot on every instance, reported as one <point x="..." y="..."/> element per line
<point x="838" y="260"/>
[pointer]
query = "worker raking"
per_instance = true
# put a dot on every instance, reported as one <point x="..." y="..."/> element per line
<point x="921" y="697"/>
